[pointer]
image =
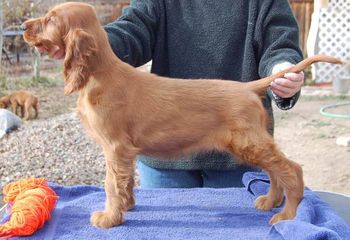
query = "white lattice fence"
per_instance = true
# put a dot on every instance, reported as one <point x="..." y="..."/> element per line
<point x="333" y="38"/>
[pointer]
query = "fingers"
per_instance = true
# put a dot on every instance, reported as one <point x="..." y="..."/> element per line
<point x="289" y="85"/>
<point x="281" y="93"/>
<point x="295" y="77"/>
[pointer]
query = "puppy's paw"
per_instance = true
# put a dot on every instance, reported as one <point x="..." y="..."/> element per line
<point x="264" y="203"/>
<point x="104" y="220"/>
<point x="281" y="216"/>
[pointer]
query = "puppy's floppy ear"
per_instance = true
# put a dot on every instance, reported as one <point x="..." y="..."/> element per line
<point x="80" y="48"/>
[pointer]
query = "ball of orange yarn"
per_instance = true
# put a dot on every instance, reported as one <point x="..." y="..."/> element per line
<point x="32" y="202"/>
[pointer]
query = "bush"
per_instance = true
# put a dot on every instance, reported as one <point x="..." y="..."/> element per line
<point x="17" y="11"/>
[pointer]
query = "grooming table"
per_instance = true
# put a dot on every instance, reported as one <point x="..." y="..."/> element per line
<point x="199" y="213"/>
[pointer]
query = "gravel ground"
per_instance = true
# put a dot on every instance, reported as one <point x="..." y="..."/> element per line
<point x="57" y="149"/>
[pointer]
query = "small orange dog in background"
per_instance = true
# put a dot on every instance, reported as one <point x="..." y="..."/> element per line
<point x="23" y="100"/>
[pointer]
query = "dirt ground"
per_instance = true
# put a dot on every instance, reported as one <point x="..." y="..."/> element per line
<point x="302" y="133"/>
<point x="309" y="138"/>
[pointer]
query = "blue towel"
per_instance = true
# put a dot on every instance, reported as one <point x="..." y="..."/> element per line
<point x="199" y="213"/>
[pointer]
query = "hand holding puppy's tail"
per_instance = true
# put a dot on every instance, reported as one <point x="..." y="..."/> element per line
<point x="260" y="86"/>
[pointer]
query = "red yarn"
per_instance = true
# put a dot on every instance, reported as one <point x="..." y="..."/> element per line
<point x="32" y="202"/>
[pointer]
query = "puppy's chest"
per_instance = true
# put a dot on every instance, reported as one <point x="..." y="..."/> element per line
<point x="91" y="113"/>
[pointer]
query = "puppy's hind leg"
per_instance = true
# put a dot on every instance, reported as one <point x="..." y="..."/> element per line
<point x="290" y="176"/>
<point x="258" y="149"/>
<point x="118" y="186"/>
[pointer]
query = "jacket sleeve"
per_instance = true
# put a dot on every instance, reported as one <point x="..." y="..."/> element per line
<point x="132" y="36"/>
<point x="283" y="103"/>
<point x="277" y="41"/>
<point x="276" y="35"/>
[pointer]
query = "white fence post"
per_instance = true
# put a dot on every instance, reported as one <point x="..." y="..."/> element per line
<point x="1" y="27"/>
<point x="36" y="65"/>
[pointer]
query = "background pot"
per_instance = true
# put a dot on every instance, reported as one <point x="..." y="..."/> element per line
<point x="341" y="84"/>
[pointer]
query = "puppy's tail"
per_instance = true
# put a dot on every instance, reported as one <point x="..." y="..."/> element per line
<point x="260" y="86"/>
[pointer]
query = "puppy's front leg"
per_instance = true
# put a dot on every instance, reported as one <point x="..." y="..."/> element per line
<point x="14" y="107"/>
<point x="118" y="187"/>
<point x="26" y="111"/>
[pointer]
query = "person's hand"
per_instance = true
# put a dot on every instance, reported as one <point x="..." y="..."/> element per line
<point x="289" y="85"/>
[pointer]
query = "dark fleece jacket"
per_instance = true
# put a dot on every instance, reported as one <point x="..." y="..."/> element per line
<point x="225" y="39"/>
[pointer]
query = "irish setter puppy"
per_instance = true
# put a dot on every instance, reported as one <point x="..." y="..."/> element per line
<point x="22" y="100"/>
<point x="130" y="112"/>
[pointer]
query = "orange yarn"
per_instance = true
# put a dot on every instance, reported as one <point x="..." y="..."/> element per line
<point x="32" y="202"/>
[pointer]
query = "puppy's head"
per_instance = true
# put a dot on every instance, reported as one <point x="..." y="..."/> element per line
<point x="4" y="102"/>
<point x="66" y="32"/>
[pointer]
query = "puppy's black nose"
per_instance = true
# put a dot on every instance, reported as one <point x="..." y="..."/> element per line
<point x="23" y="27"/>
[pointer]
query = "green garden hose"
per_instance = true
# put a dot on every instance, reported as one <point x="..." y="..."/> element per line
<point x="332" y="115"/>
